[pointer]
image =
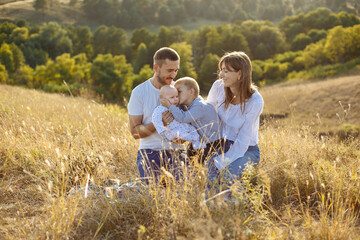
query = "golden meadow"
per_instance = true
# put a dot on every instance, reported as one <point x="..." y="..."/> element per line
<point x="307" y="185"/>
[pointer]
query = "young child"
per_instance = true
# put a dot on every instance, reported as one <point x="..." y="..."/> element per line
<point x="175" y="129"/>
<point x="199" y="114"/>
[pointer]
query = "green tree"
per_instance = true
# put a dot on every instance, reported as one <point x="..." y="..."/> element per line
<point x="22" y="23"/>
<point x="3" y="74"/>
<point x="165" y="17"/>
<point x="34" y="56"/>
<point x="141" y="57"/>
<point x="7" y="57"/>
<point x="18" y="56"/>
<point x="145" y="73"/>
<point x="213" y="41"/>
<point x="82" y="69"/>
<point x="45" y="75"/>
<point x="348" y="20"/>
<point x="81" y="38"/>
<point x="6" y="29"/>
<point x="239" y="15"/>
<point x="342" y="44"/>
<point x="300" y="42"/>
<point x="186" y="63"/>
<point x="111" y="40"/>
<point x="274" y="71"/>
<point x="208" y="72"/>
<point x="42" y="6"/>
<point x="65" y="69"/>
<point x="170" y="35"/>
<point x="142" y="35"/>
<point x="316" y="34"/>
<point x="261" y="52"/>
<point x="19" y="35"/>
<point x="336" y="44"/>
<point x="198" y="41"/>
<point x="312" y="55"/>
<point x="292" y="26"/>
<point x="273" y="12"/>
<point x="24" y="76"/>
<point x="164" y="37"/>
<point x="112" y="77"/>
<point x="250" y="5"/>
<point x="257" y="71"/>
<point x="177" y="9"/>
<point x="54" y="39"/>
<point x="263" y="36"/>
<point x="192" y="7"/>
<point x="233" y="40"/>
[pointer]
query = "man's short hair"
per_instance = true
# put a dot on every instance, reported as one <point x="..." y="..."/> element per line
<point x="165" y="53"/>
<point x="189" y="83"/>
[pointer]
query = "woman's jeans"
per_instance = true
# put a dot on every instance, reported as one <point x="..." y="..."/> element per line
<point x="235" y="169"/>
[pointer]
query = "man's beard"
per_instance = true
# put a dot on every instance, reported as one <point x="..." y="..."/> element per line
<point x="161" y="81"/>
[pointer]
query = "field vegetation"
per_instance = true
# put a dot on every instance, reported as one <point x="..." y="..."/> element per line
<point x="307" y="186"/>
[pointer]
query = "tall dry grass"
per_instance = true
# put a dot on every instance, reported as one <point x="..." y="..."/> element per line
<point x="323" y="105"/>
<point x="303" y="188"/>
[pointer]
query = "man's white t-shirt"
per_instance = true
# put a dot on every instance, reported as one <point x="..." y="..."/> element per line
<point x="143" y="100"/>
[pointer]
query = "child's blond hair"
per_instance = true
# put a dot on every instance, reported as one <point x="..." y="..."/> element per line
<point x="189" y="83"/>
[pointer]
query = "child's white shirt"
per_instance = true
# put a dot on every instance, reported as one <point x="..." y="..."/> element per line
<point x="175" y="129"/>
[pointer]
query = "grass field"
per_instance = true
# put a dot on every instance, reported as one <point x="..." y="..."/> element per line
<point x="24" y="9"/>
<point x="326" y="106"/>
<point x="7" y="1"/>
<point x="305" y="187"/>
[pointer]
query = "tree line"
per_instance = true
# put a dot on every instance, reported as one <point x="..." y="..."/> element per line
<point x="132" y="14"/>
<point x="59" y="58"/>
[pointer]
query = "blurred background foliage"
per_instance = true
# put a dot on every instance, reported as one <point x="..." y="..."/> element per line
<point x="284" y="39"/>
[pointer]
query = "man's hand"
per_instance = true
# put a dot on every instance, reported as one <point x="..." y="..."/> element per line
<point x="165" y="102"/>
<point x="167" y="118"/>
<point x="178" y="141"/>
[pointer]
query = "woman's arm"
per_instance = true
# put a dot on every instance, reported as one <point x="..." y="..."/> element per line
<point x="242" y="142"/>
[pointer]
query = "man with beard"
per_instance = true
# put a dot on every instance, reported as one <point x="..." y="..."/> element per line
<point x="154" y="151"/>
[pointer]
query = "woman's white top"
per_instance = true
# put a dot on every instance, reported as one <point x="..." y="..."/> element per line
<point x="238" y="126"/>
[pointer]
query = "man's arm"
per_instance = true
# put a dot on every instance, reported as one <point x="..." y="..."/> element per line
<point x="139" y="130"/>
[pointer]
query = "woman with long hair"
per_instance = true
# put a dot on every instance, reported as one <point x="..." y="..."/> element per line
<point x="239" y="106"/>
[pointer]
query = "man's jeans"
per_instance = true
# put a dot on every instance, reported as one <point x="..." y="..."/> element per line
<point x="150" y="162"/>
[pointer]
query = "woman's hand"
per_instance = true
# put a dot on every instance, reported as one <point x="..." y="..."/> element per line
<point x="167" y="118"/>
<point x="165" y="102"/>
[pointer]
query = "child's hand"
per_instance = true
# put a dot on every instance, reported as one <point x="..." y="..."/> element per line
<point x="167" y="118"/>
<point x="165" y="102"/>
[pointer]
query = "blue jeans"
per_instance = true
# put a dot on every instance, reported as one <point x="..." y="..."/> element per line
<point x="236" y="168"/>
<point x="150" y="162"/>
